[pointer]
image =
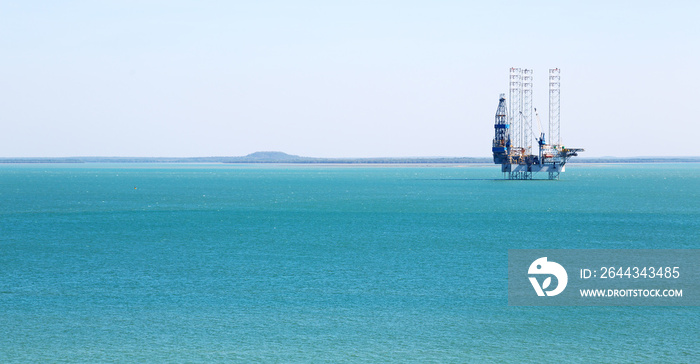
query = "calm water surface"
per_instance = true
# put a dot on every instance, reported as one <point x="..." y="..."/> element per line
<point x="276" y="263"/>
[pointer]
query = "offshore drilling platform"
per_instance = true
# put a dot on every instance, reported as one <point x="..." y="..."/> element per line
<point x="512" y="144"/>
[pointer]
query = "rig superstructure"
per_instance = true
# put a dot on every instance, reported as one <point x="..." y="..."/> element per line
<point x="512" y="143"/>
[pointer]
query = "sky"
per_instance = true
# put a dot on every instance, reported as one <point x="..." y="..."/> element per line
<point x="340" y="78"/>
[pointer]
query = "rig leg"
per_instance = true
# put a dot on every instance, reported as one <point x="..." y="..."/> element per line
<point x="519" y="175"/>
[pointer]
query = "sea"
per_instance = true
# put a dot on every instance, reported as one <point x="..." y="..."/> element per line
<point x="271" y="263"/>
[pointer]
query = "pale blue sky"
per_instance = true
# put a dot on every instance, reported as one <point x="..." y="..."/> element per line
<point x="340" y="78"/>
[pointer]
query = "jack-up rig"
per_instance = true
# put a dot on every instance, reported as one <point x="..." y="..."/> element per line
<point x="512" y="144"/>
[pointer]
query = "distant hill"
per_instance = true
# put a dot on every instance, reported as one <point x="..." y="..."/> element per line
<point x="272" y="157"/>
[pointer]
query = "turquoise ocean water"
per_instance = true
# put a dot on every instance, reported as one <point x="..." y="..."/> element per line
<point x="276" y="263"/>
